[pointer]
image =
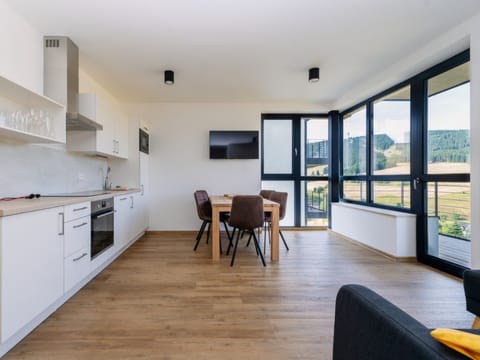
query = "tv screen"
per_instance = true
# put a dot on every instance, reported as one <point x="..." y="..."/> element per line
<point x="233" y="144"/>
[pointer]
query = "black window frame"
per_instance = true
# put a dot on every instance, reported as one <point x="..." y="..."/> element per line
<point x="369" y="177"/>
<point x="418" y="164"/>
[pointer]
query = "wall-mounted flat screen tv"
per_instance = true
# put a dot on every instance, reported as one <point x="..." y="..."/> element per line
<point x="233" y="144"/>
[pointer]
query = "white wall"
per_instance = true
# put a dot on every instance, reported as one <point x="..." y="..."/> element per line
<point x="179" y="156"/>
<point x="42" y="169"/>
<point x="27" y="168"/>
<point x="475" y="138"/>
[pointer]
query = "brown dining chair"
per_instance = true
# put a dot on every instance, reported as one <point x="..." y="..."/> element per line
<point x="204" y="212"/>
<point x="281" y="198"/>
<point x="264" y="193"/>
<point x="246" y="214"/>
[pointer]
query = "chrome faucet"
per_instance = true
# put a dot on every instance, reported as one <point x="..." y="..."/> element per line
<point x="107" y="184"/>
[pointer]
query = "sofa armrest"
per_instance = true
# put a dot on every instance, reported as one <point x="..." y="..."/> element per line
<point x="471" y="284"/>
<point x="368" y="327"/>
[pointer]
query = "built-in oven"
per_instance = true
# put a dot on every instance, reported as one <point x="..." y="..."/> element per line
<point x="144" y="140"/>
<point x="102" y="226"/>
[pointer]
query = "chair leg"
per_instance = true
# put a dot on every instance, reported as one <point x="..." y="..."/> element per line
<point x="230" y="245"/>
<point x="228" y="236"/>
<point x="235" y="249"/>
<point x="476" y="323"/>
<point x="232" y="237"/>
<point x="199" y="235"/>
<point x="257" y="246"/>
<point x="226" y="229"/>
<point x="208" y="231"/>
<point x="266" y="229"/>
<point x="283" y="239"/>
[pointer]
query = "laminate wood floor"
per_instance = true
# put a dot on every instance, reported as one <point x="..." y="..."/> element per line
<point x="161" y="300"/>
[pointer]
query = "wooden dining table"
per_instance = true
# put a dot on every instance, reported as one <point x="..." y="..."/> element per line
<point x="222" y="203"/>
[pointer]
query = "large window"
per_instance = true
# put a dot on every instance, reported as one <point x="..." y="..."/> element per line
<point x="391" y="133"/>
<point x="384" y="180"/>
<point x="354" y="142"/>
<point x="408" y="149"/>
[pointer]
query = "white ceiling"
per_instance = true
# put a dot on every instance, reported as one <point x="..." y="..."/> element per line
<point x="241" y="50"/>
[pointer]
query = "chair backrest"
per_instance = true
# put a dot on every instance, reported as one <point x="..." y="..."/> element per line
<point x="264" y="193"/>
<point x="204" y="208"/>
<point x="246" y="212"/>
<point x="281" y="198"/>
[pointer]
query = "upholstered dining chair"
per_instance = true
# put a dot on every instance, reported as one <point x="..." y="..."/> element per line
<point x="204" y="212"/>
<point x="246" y="214"/>
<point x="281" y="198"/>
<point x="266" y="193"/>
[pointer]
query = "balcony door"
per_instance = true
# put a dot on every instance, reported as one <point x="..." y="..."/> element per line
<point x="446" y="172"/>
<point x="295" y="157"/>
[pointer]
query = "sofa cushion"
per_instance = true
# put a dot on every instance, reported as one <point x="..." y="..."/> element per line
<point x="461" y="341"/>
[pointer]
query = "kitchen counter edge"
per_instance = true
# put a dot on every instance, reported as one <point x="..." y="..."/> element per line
<point x="21" y="206"/>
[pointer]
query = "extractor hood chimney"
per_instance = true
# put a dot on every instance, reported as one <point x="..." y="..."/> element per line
<point x="60" y="65"/>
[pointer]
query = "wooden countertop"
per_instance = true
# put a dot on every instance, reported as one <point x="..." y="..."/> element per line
<point x="20" y="206"/>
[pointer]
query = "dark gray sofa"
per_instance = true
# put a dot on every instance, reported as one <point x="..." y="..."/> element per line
<point x="368" y="327"/>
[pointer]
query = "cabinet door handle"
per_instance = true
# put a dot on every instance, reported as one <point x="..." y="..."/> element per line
<point x="61" y="220"/>
<point x="80" y="225"/>
<point x="80" y="209"/>
<point x="123" y="199"/>
<point x="80" y="257"/>
<point x="131" y="205"/>
<point x="143" y="190"/>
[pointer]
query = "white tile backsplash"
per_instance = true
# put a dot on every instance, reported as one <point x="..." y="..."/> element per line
<point x="47" y="169"/>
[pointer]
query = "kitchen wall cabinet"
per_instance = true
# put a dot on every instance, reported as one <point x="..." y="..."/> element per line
<point x="112" y="141"/>
<point x="29" y="117"/>
<point x="31" y="266"/>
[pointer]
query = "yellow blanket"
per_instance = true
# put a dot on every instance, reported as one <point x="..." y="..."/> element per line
<point x="461" y="341"/>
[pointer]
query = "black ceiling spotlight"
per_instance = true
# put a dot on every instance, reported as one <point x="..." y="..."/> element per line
<point x="169" y="77"/>
<point x="314" y="74"/>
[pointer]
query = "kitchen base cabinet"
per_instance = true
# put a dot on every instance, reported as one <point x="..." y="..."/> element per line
<point x="31" y="266"/>
<point x="77" y="267"/>
<point x="76" y="244"/>
<point x="121" y="226"/>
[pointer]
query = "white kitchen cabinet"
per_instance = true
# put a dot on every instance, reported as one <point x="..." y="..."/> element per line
<point x="139" y="214"/>
<point x="145" y="190"/>
<point x="31" y="266"/>
<point x="76" y="249"/>
<point x="77" y="235"/>
<point x="28" y="116"/>
<point x="76" y="267"/>
<point x="112" y="141"/>
<point x="121" y="220"/>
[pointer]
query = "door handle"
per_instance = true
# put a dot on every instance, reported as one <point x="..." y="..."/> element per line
<point x="416" y="182"/>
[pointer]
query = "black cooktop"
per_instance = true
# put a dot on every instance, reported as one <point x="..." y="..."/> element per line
<point x="79" y="194"/>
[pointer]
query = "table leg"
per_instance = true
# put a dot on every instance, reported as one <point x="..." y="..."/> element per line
<point x="274" y="252"/>
<point x="215" y="234"/>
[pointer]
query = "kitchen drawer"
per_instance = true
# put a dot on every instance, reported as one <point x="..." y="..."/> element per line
<point x="77" y="235"/>
<point x="76" y="267"/>
<point x="76" y="211"/>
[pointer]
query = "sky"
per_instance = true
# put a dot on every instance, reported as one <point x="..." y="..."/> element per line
<point x="449" y="110"/>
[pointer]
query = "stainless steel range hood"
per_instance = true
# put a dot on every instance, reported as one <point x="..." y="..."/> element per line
<point x="60" y="64"/>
